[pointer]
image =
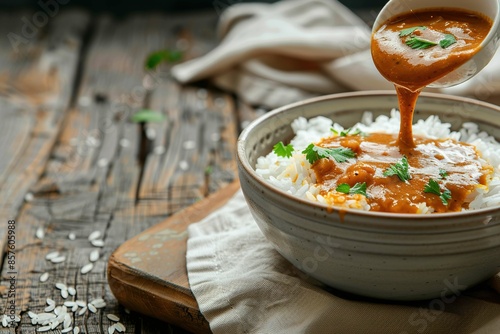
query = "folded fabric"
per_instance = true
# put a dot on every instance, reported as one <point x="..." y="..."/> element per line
<point x="243" y="285"/>
<point x="274" y="54"/>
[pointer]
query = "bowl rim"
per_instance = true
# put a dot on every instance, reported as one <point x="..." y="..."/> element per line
<point x="431" y="218"/>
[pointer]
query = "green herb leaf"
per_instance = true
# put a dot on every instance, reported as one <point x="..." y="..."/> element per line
<point x="419" y="43"/>
<point x="443" y="173"/>
<point x="340" y="154"/>
<point x="147" y="116"/>
<point x="358" y="188"/>
<point x="343" y="188"/>
<point x="400" y="169"/>
<point x="409" y="31"/>
<point x="448" y="40"/>
<point x="445" y="196"/>
<point x="347" y="132"/>
<point x="156" y="58"/>
<point x="283" y="150"/>
<point x="433" y="188"/>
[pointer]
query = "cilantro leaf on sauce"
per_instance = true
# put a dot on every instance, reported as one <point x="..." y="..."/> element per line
<point x="358" y="188"/>
<point x="448" y="40"/>
<point x="400" y="169"/>
<point x="348" y="132"/>
<point x="419" y="43"/>
<point x="409" y="31"/>
<point x="416" y="42"/>
<point x="433" y="188"/>
<point x="340" y="154"/>
<point x="283" y="150"/>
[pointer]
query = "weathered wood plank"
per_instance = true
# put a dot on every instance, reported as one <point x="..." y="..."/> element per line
<point x="36" y="81"/>
<point x="35" y="89"/>
<point x="90" y="183"/>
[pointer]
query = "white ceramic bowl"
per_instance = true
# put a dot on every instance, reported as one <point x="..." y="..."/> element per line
<point x="488" y="8"/>
<point x="381" y="255"/>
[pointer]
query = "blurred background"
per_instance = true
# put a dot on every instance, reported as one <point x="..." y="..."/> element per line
<point x="124" y="6"/>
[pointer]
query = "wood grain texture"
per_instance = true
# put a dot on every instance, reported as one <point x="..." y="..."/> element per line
<point x="71" y="144"/>
<point x="148" y="274"/>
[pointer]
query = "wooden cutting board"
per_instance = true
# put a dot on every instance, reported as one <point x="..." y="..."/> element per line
<point x="147" y="274"/>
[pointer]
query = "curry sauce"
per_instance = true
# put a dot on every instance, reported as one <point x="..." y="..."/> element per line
<point x="455" y="166"/>
<point x="417" y="48"/>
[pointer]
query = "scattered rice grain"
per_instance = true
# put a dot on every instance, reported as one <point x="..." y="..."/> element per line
<point x="40" y="233"/>
<point x="43" y="329"/>
<point x="50" y="308"/>
<point x="87" y="268"/>
<point x="94" y="255"/>
<point x="97" y="243"/>
<point x="44" y="277"/>
<point x="54" y="324"/>
<point x="98" y="302"/>
<point x="61" y="286"/>
<point x="71" y="291"/>
<point x="58" y="259"/>
<point x="51" y="255"/>
<point x="120" y="327"/>
<point x="112" y="317"/>
<point x="29" y="197"/>
<point x="92" y="308"/>
<point x="82" y="310"/>
<point x="94" y="235"/>
<point x="67" y="321"/>
<point x="80" y="303"/>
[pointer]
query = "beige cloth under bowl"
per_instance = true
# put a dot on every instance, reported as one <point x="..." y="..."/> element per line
<point x="243" y="285"/>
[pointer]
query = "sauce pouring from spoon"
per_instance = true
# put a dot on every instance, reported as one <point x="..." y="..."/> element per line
<point x="424" y="43"/>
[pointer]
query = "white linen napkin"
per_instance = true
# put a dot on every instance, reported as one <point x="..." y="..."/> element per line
<point x="242" y="285"/>
<point x="274" y="54"/>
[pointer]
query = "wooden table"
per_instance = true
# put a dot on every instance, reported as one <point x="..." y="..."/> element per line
<point x="73" y="163"/>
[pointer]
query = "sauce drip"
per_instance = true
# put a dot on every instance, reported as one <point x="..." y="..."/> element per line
<point x="413" y="69"/>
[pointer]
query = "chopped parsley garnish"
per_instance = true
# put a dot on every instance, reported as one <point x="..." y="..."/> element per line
<point x="283" y="150"/>
<point x="409" y="31"/>
<point x="156" y="58"/>
<point x="347" y="132"/>
<point x="416" y="42"/>
<point x="434" y="188"/>
<point x="443" y="173"/>
<point x="358" y="188"/>
<point x="419" y="43"/>
<point x="400" y="169"/>
<point x="147" y="116"/>
<point x="340" y="154"/>
<point x="448" y="40"/>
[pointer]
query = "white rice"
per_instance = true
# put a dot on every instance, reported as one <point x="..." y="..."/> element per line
<point x="295" y="176"/>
